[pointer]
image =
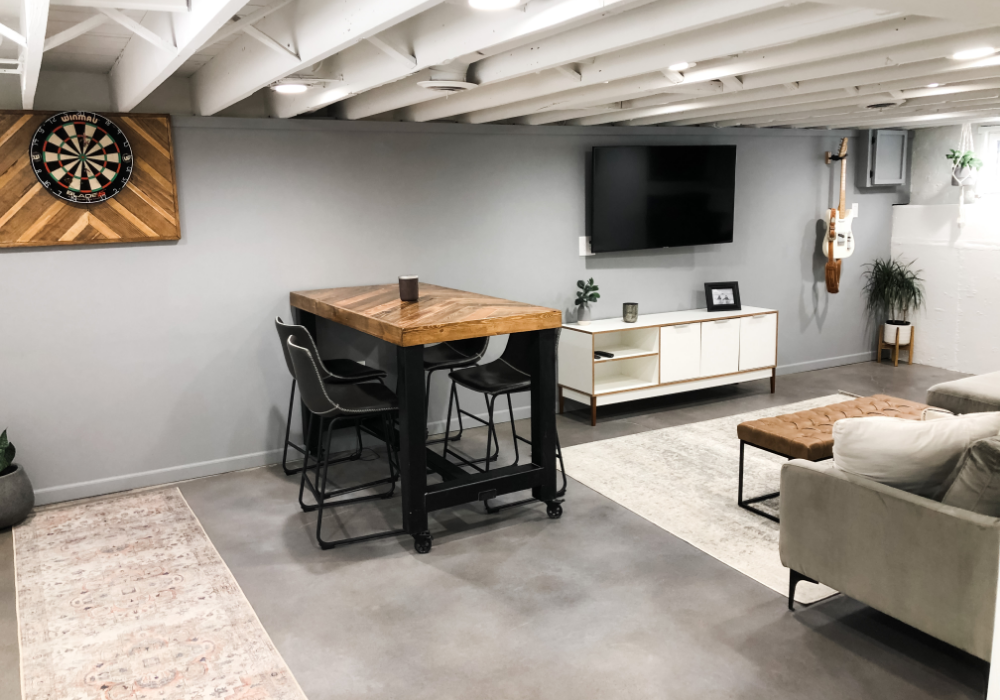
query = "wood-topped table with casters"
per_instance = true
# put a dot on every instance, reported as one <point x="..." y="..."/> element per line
<point x="442" y="314"/>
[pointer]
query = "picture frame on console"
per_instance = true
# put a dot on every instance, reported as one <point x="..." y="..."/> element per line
<point x="722" y="296"/>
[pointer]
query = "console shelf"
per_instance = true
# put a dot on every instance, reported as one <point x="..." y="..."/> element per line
<point x="666" y="354"/>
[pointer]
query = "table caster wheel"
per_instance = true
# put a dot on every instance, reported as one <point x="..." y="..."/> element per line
<point x="422" y="543"/>
<point x="554" y="510"/>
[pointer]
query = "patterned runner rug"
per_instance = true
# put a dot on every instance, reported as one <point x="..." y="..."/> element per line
<point x="685" y="480"/>
<point x="127" y="598"/>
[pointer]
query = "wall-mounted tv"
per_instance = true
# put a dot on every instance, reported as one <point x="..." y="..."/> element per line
<point x="661" y="196"/>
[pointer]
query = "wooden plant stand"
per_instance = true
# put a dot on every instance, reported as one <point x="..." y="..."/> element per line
<point x="894" y="348"/>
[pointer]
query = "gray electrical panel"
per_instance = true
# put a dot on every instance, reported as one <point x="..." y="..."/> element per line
<point x="881" y="158"/>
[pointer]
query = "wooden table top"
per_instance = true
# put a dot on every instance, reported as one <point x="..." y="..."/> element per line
<point x="441" y="314"/>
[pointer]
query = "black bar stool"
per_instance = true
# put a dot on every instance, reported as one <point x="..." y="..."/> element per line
<point x="334" y="405"/>
<point x="338" y="371"/>
<point x="503" y="377"/>
<point x="452" y="355"/>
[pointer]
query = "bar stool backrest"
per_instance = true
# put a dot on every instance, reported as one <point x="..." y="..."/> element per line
<point x="470" y="347"/>
<point x="306" y="371"/>
<point x="517" y="353"/>
<point x="305" y="339"/>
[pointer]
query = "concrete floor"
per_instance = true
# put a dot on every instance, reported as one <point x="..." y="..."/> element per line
<point x="598" y="604"/>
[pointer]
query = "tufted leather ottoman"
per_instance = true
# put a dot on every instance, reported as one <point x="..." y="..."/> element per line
<point x="809" y="434"/>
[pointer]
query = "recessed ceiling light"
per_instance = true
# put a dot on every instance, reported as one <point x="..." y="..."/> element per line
<point x="933" y="85"/>
<point x="683" y="65"/>
<point x="290" y="88"/>
<point x="491" y="5"/>
<point x="970" y="54"/>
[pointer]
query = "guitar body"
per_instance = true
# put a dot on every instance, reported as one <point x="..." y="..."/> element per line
<point x="840" y="232"/>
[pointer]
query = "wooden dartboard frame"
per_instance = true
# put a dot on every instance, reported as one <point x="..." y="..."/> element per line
<point x="144" y="211"/>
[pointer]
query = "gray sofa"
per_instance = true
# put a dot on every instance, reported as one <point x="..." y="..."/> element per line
<point x="929" y="565"/>
<point x="969" y="395"/>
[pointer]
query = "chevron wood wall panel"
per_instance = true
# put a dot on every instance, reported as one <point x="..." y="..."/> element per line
<point x="144" y="211"/>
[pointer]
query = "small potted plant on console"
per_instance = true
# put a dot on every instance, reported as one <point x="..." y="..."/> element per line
<point x="16" y="495"/>
<point x="586" y="295"/>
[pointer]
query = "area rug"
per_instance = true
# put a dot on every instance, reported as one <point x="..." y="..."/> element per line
<point x="127" y="597"/>
<point x="685" y="480"/>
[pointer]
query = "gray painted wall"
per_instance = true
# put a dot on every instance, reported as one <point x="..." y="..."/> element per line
<point x="125" y="366"/>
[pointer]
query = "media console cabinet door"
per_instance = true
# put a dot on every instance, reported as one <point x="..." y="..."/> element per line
<point x="758" y="341"/>
<point x="680" y="353"/>
<point x="720" y="347"/>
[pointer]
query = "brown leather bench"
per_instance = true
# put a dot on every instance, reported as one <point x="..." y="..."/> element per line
<point x="809" y="434"/>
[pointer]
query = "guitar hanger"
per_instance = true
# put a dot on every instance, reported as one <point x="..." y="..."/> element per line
<point x="840" y="156"/>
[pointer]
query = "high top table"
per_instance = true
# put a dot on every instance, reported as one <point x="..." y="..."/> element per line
<point x="440" y="315"/>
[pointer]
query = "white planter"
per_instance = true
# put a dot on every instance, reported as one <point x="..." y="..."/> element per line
<point x="891" y="329"/>
<point x="583" y="314"/>
<point x="963" y="176"/>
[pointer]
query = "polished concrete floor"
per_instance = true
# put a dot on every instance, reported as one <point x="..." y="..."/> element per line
<point x="598" y="604"/>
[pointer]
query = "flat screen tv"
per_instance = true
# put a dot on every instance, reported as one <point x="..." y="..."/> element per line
<point x="661" y="196"/>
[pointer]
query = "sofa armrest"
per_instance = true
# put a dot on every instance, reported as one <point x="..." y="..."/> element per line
<point x="929" y="565"/>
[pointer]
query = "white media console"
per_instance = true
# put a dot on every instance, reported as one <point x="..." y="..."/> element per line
<point x="665" y="354"/>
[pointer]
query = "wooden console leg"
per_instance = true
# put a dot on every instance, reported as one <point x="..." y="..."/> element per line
<point x="593" y="411"/>
<point x="895" y="359"/>
<point x="913" y="339"/>
<point x="562" y="401"/>
<point x="774" y="374"/>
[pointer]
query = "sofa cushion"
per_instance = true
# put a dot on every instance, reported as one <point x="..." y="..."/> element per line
<point x="976" y="485"/>
<point x="968" y="395"/>
<point x="915" y="456"/>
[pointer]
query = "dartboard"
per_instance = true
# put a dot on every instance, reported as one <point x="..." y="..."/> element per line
<point x="81" y="157"/>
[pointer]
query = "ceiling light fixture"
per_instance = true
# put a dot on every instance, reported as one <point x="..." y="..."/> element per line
<point x="290" y="88"/>
<point x="492" y="5"/>
<point x="971" y="54"/>
<point x="683" y="65"/>
<point x="933" y="85"/>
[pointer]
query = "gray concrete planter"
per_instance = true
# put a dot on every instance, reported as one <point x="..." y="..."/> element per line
<point x="16" y="497"/>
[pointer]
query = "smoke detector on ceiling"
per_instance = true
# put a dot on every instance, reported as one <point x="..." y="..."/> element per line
<point x="450" y="78"/>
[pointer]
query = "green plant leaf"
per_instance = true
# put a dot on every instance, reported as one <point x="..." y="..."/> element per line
<point x="579" y="283"/>
<point x="7" y="452"/>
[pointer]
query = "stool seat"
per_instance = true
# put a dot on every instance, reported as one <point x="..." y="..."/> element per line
<point x="360" y="398"/>
<point x="497" y="377"/>
<point x="350" y="372"/>
<point x="454" y="355"/>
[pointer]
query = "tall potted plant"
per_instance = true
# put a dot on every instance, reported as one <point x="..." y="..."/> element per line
<point x="16" y="495"/>
<point x="892" y="291"/>
<point x="585" y="296"/>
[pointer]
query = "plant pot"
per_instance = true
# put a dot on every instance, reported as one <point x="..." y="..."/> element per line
<point x="583" y="314"/>
<point x="963" y="176"/>
<point x="892" y="328"/>
<point x="16" y="496"/>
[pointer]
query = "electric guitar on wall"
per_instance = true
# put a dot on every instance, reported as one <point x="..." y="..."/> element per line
<point x="839" y="241"/>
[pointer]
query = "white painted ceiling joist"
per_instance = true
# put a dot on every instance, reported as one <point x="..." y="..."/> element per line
<point x="440" y="36"/>
<point x="77" y="30"/>
<point x="142" y="67"/>
<point x="144" y="5"/>
<point x="34" y="19"/>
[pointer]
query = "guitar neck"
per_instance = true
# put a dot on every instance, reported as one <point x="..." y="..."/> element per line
<point x="843" y="188"/>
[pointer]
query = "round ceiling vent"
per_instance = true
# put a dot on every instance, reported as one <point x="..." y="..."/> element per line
<point x="446" y="85"/>
<point x="885" y="105"/>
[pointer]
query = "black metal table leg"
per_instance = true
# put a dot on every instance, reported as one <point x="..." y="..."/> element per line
<point x="310" y="321"/>
<point x="543" y="417"/>
<point x="412" y="446"/>
<point x="748" y="503"/>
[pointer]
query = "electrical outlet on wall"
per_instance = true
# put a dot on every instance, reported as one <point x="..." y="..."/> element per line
<point x="585" y="246"/>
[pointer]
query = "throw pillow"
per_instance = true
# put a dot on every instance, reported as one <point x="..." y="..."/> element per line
<point x="976" y="486"/>
<point x="932" y="413"/>
<point x="915" y="456"/>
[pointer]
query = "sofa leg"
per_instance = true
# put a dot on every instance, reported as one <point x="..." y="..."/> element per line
<point x="793" y="579"/>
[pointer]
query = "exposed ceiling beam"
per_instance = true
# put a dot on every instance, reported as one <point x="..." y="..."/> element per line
<point x="138" y="29"/>
<point x="748" y="33"/>
<point x="401" y="55"/>
<point x="972" y="12"/>
<point x="267" y="41"/>
<point x="12" y="34"/>
<point x="238" y="25"/>
<point x="316" y="29"/>
<point x="78" y="29"/>
<point x="833" y="72"/>
<point x="146" y="5"/>
<point x="629" y="29"/>
<point x="142" y="67"/>
<point x="440" y="36"/>
<point x="34" y="18"/>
